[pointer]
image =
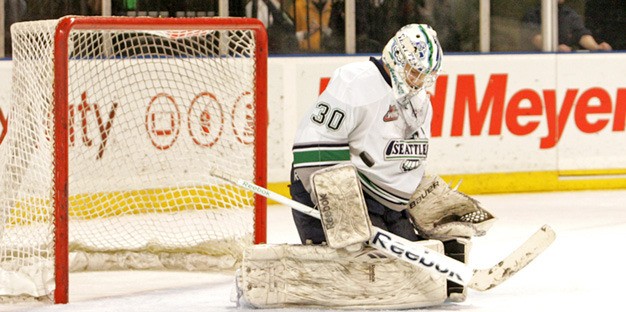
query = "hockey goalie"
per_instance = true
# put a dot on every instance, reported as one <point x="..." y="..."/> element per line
<point x="343" y="271"/>
<point x="359" y="159"/>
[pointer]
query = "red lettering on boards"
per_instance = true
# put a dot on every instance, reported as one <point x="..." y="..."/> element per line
<point x="87" y="113"/>
<point x="591" y="110"/>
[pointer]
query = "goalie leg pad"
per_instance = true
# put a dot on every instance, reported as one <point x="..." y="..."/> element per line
<point x="279" y="276"/>
<point x="342" y="207"/>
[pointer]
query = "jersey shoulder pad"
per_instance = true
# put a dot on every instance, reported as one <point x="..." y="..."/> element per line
<point x="357" y="84"/>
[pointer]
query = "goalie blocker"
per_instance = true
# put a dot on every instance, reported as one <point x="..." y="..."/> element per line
<point x="343" y="212"/>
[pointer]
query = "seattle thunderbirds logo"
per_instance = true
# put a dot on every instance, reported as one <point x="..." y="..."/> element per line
<point x="412" y="151"/>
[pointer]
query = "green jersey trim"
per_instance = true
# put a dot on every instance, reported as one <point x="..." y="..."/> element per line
<point x="305" y="157"/>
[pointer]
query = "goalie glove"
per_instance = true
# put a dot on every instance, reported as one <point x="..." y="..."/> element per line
<point x="440" y="212"/>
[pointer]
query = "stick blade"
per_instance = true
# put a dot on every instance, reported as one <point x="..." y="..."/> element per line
<point x="489" y="278"/>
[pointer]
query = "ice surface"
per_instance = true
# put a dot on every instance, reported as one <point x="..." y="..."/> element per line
<point x="581" y="271"/>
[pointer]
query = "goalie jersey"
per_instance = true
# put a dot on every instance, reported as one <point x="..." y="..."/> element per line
<point x="357" y="119"/>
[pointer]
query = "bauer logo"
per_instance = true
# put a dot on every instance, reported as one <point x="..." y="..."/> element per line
<point x="415" y="149"/>
<point x="419" y="197"/>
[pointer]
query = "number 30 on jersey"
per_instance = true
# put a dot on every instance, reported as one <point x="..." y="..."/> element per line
<point x="332" y="118"/>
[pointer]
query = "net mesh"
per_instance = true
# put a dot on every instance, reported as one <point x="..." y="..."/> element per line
<point x="151" y="114"/>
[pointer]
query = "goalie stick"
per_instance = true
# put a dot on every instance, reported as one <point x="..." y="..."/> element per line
<point x="486" y="279"/>
<point x="452" y="269"/>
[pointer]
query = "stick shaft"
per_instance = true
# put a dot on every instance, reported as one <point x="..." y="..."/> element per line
<point x="279" y="198"/>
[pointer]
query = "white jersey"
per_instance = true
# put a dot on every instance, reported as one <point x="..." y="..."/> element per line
<point x="357" y="119"/>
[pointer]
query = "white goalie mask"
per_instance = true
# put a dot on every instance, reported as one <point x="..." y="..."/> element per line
<point x="413" y="57"/>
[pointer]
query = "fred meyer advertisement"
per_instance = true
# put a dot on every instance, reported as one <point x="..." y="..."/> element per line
<point x="502" y="122"/>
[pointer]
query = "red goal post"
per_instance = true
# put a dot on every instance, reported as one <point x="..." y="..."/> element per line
<point x="139" y="113"/>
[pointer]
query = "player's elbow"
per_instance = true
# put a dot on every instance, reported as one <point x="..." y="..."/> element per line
<point x="589" y="43"/>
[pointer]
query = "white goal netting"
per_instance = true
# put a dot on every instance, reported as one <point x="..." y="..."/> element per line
<point x="151" y="112"/>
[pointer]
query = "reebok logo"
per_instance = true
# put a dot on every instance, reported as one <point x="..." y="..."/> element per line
<point x="384" y="241"/>
<point x="326" y="212"/>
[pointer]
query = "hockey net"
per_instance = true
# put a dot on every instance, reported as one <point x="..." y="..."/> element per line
<point x="114" y="129"/>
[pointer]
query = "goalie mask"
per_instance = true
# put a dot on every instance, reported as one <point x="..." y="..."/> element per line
<point x="413" y="57"/>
